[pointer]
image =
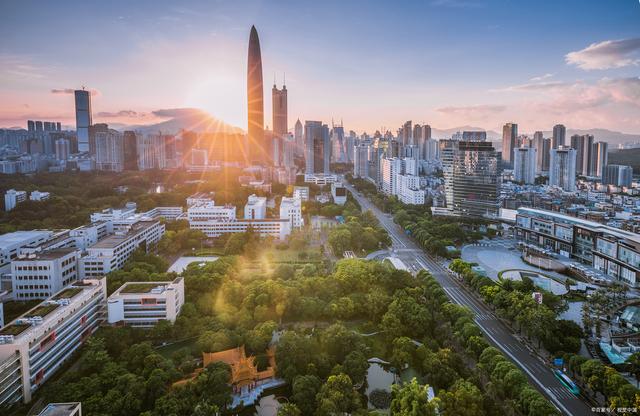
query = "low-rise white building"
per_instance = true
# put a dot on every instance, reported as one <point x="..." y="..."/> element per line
<point x="144" y="304"/>
<point x="338" y="193"/>
<point x="35" y="345"/>
<point x="112" y="252"/>
<point x="39" y="196"/>
<point x="292" y="208"/>
<point x="12" y="243"/>
<point x="12" y="198"/>
<point x="301" y="192"/>
<point x="200" y="198"/>
<point x="256" y="208"/>
<point x="40" y="275"/>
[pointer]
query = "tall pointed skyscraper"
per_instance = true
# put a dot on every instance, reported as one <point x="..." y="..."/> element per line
<point x="257" y="150"/>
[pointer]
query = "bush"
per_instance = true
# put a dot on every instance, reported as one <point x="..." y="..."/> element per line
<point x="380" y="399"/>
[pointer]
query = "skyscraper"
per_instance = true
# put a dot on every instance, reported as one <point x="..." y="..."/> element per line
<point x="318" y="148"/>
<point x="361" y="160"/>
<point x="63" y="149"/>
<point x="471" y="178"/>
<point x="619" y="175"/>
<point x="524" y="165"/>
<point x="562" y="168"/>
<point x="298" y="135"/>
<point x="559" y="133"/>
<point x="83" y="118"/>
<point x="407" y="134"/>
<point x="543" y="148"/>
<point x="599" y="158"/>
<point x="109" y="151"/>
<point x="130" y="146"/>
<point x="339" y="153"/>
<point x="509" y="134"/>
<point x="583" y="146"/>
<point x="279" y="110"/>
<point x="257" y="150"/>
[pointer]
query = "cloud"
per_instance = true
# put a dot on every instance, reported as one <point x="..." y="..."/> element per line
<point x="20" y="67"/>
<point x="94" y="93"/>
<point x="541" y="77"/>
<point x="532" y="86"/>
<point x="177" y="112"/>
<point x="121" y="113"/>
<point x="607" y="54"/>
<point x="473" y="110"/>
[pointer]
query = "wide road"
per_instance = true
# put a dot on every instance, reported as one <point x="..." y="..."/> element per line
<point x="495" y="330"/>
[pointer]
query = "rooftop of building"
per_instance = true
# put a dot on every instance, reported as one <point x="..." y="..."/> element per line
<point x="46" y="255"/>
<point x="45" y="310"/>
<point x="145" y="287"/>
<point x="115" y="240"/>
<point x="60" y="409"/>
<point x="20" y="236"/>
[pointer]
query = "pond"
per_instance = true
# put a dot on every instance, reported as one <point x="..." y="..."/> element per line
<point x="378" y="378"/>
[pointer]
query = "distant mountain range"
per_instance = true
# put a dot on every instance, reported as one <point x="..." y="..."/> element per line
<point x="614" y="138"/>
<point x="184" y="119"/>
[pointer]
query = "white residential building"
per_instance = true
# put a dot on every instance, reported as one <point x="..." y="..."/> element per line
<point x="39" y="196"/>
<point x="338" y="193"/>
<point x="524" y="164"/>
<point x="562" y="168"/>
<point x="409" y="191"/>
<point x="389" y="168"/>
<point x="361" y="161"/>
<point x="292" y="208"/>
<point x="34" y="346"/>
<point x="256" y="208"/>
<point x="12" y="243"/>
<point x="210" y="212"/>
<point x="12" y="198"/>
<point x="40" y="275"/>
<point x="112" y="252"/>
<point x="301" y="192"/>
<point x="144" y="304"/>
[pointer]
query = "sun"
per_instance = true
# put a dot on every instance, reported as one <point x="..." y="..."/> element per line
<point x="223" y="97"/>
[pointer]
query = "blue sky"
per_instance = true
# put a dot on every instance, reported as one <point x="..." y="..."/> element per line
<point x="372" y="63"/>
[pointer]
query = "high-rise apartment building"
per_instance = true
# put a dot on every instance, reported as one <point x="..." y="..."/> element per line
<point x="543" y="153"/>
<point x="83" y="118"/>
<point x="298" y="134"/>
<point x="130" y="146"/>
<point x="599" y="158"/>
<point x="524" y="165"/>
<point x="407" y="134"/>
<point x="509" y="135"/>
<point x="618" y="175"/>
<point x="63" y="149"/>
<point x="389" y="169"/>
<point x="317" y="146"/>
<point x="257" y="148"/>
<point x="361" y="161"/>
<point x="583" y="146"/>
<point x="471" y="178"/>
<point x="562" y="168"/>
<point x="109" y="151"/>
<point x="559" y="134"/>
<point x="338" y="153"/>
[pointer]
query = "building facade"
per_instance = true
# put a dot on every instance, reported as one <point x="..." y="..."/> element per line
<point x="35" y="345"/>
<point x="40" y="275"/>
<point x="144" y="304"/>
<point x="562" y="168"/>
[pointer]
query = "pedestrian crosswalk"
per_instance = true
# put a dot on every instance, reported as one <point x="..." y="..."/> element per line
<point x="561" y="393"/>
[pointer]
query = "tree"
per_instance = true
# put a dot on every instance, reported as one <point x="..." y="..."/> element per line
<point x="304" y="391"/>
<point x="289" y="409"/>
<point x="412" y="399"/>
<point x="337" y="396"/>
<point x="402" y="353"/>
<point x="339" y="240"/>
<point x="464" y="398"/>
<point x="634" y="366"/>
<point x="355" y="365"/>
<point x="380" y="399"/>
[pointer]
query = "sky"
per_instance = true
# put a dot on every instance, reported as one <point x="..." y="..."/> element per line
<point x="372" y="64"/>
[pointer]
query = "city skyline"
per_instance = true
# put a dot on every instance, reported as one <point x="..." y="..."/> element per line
<point x="381" y="72"/>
